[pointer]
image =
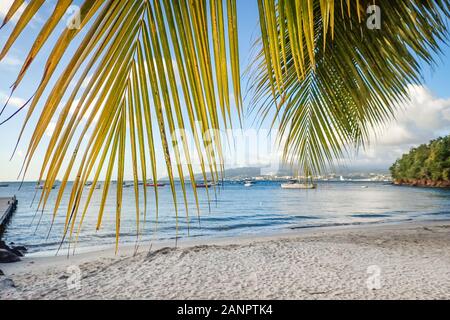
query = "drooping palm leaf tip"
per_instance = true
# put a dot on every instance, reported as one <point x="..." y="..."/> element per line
<point x="141" y="70"/>
<point x="156" y="66"/>
<point x="333" y="75"/>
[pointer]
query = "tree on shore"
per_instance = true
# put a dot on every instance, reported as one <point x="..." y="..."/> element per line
<point x="426" y="162"/>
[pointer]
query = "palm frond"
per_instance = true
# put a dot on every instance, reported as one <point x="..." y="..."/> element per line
<point x="143" y="61"/>
<point x="328" y="78"/>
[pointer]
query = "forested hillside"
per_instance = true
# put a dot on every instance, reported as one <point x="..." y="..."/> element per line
<point x="426" y="165"/>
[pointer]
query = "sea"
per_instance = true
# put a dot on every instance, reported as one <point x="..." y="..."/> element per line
<point x="229" y="210"/>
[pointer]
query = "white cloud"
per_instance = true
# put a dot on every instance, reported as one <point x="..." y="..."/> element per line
<point x="50" y="129"/>
<point x="35" y="21"/>
<point x="52" y="125"/>
<point x="86" y="82"/>
<point x="88" y="110"/>
<point x="14" y="101"/>
<point x="5" y="5"/>
<point x="423" y="118"/>
<point x="11" y="61"/>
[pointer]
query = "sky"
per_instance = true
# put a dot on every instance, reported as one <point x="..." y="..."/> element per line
<point x="424" y="117"/>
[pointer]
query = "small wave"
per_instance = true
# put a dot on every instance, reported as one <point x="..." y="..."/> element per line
<point x="438" y="213"/>
<point x="236" y="226"/>
<point x="346" y="224"/>
<point x="370" y="215"/>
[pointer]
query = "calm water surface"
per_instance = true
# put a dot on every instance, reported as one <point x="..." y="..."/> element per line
<point x="234" y="211"/>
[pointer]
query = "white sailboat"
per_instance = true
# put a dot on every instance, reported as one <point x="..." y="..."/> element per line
<point x="248" y="184"/>
<point x="296" y="184"/>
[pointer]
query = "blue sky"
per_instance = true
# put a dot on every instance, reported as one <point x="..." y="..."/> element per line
<point x="430" y="101"/>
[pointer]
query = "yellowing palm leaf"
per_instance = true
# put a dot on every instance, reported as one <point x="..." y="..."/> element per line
<point x="332" y="77"/>
<point x="128" y="55"/>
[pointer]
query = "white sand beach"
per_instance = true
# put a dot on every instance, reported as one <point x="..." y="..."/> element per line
<point x="401" y="261"/>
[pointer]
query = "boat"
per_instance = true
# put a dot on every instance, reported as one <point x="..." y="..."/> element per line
<point x="205" y="185"/>
<point x="4" y="185"/>
<point x="298" y="185"/>
<point x="159" y="185"/>
<point x="364" y="187"/>
<point x="248" y="184"/>
<point x="41" y="187"/>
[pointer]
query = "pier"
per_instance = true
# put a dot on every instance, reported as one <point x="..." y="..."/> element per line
<point x="7" y="208"/>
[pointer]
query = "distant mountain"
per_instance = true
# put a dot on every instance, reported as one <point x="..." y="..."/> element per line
<point x="249" y="172"/>
<point x="236" y="173"/>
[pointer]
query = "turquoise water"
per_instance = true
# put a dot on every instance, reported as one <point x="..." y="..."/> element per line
<point x="234" y="211"/>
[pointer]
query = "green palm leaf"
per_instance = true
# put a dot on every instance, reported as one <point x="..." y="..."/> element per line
<point x="328" y="78"/>
<point x="134" y="99"/>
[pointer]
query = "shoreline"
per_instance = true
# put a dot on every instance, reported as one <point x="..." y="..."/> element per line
<point x="128" y="249"/>
<point x="186" y="241"/>
<point x="415" y="254"/>
<point x="423" y="183"/>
